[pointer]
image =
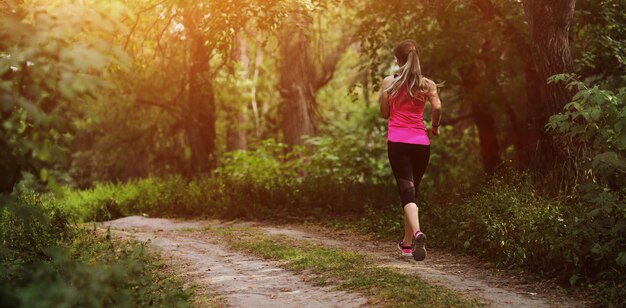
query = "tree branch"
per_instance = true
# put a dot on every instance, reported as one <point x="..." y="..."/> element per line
<point x="330" y="64"/>
<point x="132" y="30"/>
<point x="158" y="41"/>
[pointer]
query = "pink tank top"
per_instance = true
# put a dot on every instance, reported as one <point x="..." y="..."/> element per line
<point x="406" y="119"/>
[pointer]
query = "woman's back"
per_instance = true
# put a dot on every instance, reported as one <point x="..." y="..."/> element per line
<point x="406" y="118"/>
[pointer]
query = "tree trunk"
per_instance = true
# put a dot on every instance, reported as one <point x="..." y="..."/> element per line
<point x="549" y="22"/>
<point x="522" y="140"/>
<point x="236" y="138"/>
<point x="237" y="118"/>
<point x="297" y="78"/>
<point x="200" y="111"/>
<point x="487" y="135"/>
<point x="472" y="78"/>
<point x="482" y="116"/>
<point x="477" y="77"/>
<point x="258" y="125"/>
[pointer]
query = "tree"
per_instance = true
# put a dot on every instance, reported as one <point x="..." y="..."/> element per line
<point x="200" y="124"/>
<point x="300" y="76"/>
<point x="236" y="109"/>
<point x="296" y="79"/>
<point x="166" y="106"/>
<point x="549" y="22"/>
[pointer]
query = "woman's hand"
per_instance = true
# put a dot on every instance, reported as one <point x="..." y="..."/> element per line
<point x="435" y="130"/>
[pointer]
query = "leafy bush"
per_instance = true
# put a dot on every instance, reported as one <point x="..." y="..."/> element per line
<point x="96" y="273"/>
<point x="47" y="262"/>
<point x="592" y="129"/>
<point x="506" y="220"/>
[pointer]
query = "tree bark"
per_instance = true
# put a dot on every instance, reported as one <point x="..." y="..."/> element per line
<point x="482" y="115"/>
<point x="473" y="77"/>
<point x="477" y="77"/>
<point x="297" y="78"/>
<point x="236" y="137"/>
<point x="200" y="123"/>
<point x="549" y="22"/>
<point x="258" y="124"/>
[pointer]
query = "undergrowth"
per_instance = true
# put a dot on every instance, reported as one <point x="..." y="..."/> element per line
<point x="46" y="261"/>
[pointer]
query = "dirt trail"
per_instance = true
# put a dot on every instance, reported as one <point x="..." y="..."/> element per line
<point x="464" y="274"/>
<point x="243" y="280"/>
<point x="240" y="280"/>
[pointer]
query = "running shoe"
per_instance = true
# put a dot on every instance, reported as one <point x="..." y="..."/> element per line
<point x="418" y="248"/>
<point x="405" y="251"/>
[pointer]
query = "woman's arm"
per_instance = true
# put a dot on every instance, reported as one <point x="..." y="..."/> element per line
<point x="435" y="104"/>
<point x="383" y="99"/>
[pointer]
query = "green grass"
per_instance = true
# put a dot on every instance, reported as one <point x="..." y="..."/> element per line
<point x="207" y="301"/>
<point x="348" y="270"/>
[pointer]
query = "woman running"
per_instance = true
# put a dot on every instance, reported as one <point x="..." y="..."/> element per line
<point x="402" y="101"/>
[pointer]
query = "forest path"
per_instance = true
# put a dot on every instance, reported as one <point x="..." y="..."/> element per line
<point x="244" y="280"/>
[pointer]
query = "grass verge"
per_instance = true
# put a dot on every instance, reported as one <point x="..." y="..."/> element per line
<point x="348" y="270"/>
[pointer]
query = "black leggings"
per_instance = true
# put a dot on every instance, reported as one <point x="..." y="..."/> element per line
<point x="408" y="162"/>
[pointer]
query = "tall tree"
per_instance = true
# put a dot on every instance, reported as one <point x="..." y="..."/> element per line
<point x="300" y="75"/>
<point x="296" y="77"/>
<point x="237" y="118"/>
<point x="549" y="22"/>
<point x="475" y="78"/>
<point x="200" y="125"/>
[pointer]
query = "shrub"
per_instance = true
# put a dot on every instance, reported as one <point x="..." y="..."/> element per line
<point x="47" y="262"/>
<point x="592" y="129"/>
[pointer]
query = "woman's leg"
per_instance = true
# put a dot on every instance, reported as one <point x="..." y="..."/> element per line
<point x="401" y="165"/>
<point x="411" y="222"/>
<point x="420" y="155"/>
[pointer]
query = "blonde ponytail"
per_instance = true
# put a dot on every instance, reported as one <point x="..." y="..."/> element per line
<point x="410" y="71"/>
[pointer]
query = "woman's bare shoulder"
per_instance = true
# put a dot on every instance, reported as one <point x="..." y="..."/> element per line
<point x="431" y="86"/>
<point x="387" y="81"/>
<point x="429" y="82"/>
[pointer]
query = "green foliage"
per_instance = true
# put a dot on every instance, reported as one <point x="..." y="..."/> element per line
<point x="106" y="274"/>
<point x="50" y="60"/>
<point x="600" y="47"/>
<point x="64" y="89"/>
<point x="593" y="129"/>
<point x="47" y="262"/>
<point x="141" y="127"/>
<point x="506" y="220"/>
